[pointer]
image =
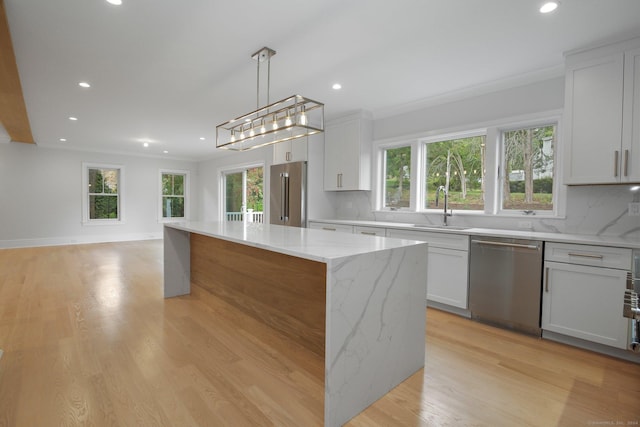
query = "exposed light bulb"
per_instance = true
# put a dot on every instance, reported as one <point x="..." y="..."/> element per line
<point x="275" y="124"/>
<point x="252" y="133"/>
<point x="233" y="136"/>
<point x="303" y="118"/>
<point x="262" y="128"/>
<point x="287" y="121"/>
<point x="242" y="134"/>
<point x="549" y="6"/>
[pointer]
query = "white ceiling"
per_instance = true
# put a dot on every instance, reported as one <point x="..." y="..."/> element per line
<point x="169" y="71"/>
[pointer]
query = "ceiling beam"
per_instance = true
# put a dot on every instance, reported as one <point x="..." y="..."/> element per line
<point x="13" y="111"/>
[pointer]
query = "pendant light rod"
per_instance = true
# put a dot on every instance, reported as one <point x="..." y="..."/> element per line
<point x="261" y="56"/>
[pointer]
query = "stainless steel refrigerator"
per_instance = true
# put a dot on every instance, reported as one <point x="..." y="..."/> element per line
<point x="288" y="194"/>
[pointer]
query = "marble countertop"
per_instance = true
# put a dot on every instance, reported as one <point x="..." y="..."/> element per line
<point x="316" y="245"/>
<point x="584" y="239"/>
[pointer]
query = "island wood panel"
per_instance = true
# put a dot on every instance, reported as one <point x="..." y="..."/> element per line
<point x="285" y="292"/>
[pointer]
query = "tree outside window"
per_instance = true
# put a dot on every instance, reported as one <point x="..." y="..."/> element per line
<point x="104" y="200"/>
<point x="397" y="183"/>
<point x="458" y="166"/>
<point x="527" y="181"/>
<point x="173" y="195"/>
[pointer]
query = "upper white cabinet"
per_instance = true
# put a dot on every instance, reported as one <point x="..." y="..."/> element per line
<point x="294" y="150"/>
<point x="347" y="153"/>
<point x="602" y="112"/>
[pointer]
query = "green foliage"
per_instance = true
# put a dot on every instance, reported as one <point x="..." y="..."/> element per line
<point x="542" y="185"/>
<point x="103" y="193"/>
<point x="398" y="177"/>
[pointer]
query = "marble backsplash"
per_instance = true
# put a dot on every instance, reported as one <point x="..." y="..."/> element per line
<point x="600" y="210"/>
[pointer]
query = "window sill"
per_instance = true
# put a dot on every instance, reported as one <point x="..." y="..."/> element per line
<point x="102" y="222"/>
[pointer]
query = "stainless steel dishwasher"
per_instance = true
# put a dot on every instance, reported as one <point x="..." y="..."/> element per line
<point x="505" y="283"/>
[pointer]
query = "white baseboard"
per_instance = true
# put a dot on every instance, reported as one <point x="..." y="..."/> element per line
<point x="78" y="240"/>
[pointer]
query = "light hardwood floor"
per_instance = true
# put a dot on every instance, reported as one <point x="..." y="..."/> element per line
<point x="89" y="340"/>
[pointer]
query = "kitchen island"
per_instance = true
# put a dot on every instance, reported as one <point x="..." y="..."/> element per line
<point x="356" y="301"/>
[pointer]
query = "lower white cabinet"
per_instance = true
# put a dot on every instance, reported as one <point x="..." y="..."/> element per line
<point x="447" y="265"/>
<point x="328" y="226"/>
<point x="583" y="300"/>
<point x="369" y="231"/>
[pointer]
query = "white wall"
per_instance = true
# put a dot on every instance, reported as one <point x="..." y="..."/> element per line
<point x="41" y="196"/>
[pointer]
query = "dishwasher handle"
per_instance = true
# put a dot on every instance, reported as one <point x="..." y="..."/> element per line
<point x="509" y="245"/>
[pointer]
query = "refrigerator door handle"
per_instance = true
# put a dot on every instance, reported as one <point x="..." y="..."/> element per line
<point x="284" y="196"/>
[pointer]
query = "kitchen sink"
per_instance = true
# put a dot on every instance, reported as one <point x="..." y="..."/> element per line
<point x="441" y="227"/>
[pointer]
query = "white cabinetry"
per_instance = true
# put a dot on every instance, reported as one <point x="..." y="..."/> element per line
<point x="583" y="292"/>
<point x="328" y="226"/>
<point x="447" y="265"/>
<point x="602" y="112"/>
<point x="347" y="154"/>
<point x="369" y="231"/>
<point x="290" y="151"/>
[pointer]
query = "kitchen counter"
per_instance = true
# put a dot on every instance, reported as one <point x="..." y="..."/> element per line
<point x="355" y="302"/>
<point x="584" y="239"/>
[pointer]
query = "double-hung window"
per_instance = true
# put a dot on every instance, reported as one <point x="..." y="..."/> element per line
<point x="174" y="195"/>
<point x="102" y="194"/>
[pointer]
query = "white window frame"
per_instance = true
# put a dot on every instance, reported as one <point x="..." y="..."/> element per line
<point x="559" y="190"/>
<point x="381" y="168"/>
<point x="222" y="190"/>
<point x="187" y="211"/>
<point x="423" y="142"/>
<point x="85" y="194"/>
<point x="493" y="158"/>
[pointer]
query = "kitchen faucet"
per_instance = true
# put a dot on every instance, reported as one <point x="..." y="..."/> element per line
<point x="446" y="194"/>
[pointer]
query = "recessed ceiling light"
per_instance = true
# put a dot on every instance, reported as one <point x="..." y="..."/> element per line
<point x="165" y="152"/>
<point x="63" y="139"/>
<point x="115" y="2"/>
<point x="84" y="84"/>
<point x="202" y="138"/>
<point x="336" y="86"/>
<point x="146" y="144"/>
<point x="73" y="118"/>
<point x="549" y="6"/>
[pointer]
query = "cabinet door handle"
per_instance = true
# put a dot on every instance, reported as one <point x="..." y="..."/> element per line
<point x="626" y="162"/>
<point x="339" y="180"/>
<point x="368" y="233"/>
<point x="328" y="228"/>
<point x="586" y="255"/>
<point x="287" y="156"/>
<point x="546" y="279"/>
<point x="615" y="163"/>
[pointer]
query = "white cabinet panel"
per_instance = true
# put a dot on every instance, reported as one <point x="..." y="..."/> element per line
<point x="447" y="265"/>
<point x="602" y="115"/>
<point x="370" y="231"/>
<point x="327" y="226"/>
<point x="290" y="151"/>
<point x="631" y="122"/>
<point x="447" y="276"/>
<point x="585" y="302"/>
<point x="347" y="154"/>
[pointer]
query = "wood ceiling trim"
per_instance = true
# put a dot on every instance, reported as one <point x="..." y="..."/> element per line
<point x="13" y="111"/>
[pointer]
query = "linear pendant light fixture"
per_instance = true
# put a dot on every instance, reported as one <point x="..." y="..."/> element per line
<point x="284" y="120"/>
